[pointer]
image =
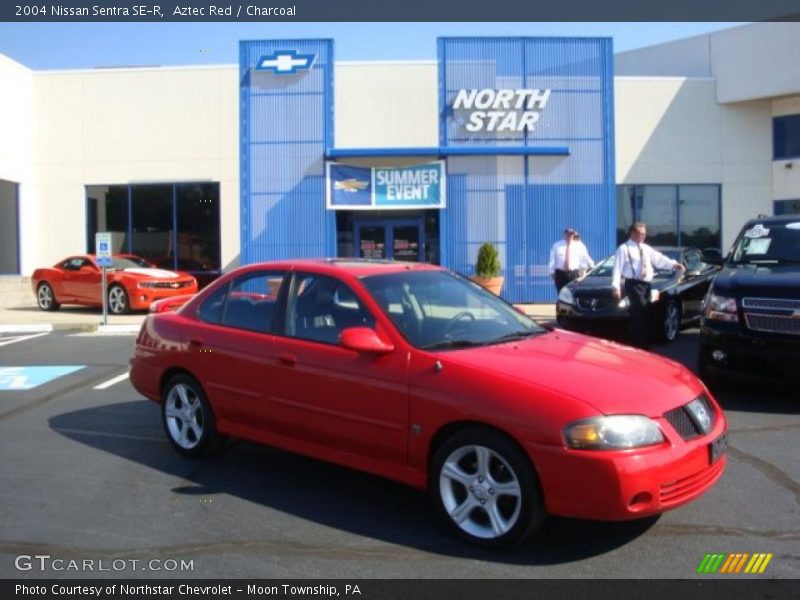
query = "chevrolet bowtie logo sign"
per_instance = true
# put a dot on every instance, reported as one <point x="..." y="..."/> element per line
<point x="286" y="62"/>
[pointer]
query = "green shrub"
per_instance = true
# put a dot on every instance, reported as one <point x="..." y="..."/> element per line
<point x="488" y="264"/>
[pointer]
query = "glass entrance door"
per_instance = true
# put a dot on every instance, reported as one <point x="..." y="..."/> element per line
<point x="393" y="239"/>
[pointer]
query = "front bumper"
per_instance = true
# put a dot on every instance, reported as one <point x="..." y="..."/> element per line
<point x="628" y="484"/>
<point x="745" y="351"/>
<point x="570" y="316"/>
<point x="142" y="298"/>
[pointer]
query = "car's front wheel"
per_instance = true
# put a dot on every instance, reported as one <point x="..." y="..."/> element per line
<point x="670" y="321"/>
<point x="187" y="418"/>
<point x="485" y="489"/>
<point x="118" y="302"/>
<point x="46" y="297"/>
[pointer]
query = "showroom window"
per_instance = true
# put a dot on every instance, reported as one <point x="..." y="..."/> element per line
<point x="787" y="207"/>
<point x="786" y="137"/>
<point x="676" y="215"/>
<point x="173" y="225"/>
<point x="9" y="228"/>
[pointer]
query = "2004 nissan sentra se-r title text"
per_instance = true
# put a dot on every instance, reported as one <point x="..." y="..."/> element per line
<point x="414" y="373"/>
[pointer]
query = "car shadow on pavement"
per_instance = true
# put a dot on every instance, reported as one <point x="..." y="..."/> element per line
<point x="320" y="492"/>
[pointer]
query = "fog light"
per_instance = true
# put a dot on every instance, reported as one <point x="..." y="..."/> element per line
<point x="640" y="501"/>
<point x="719" y="355"/>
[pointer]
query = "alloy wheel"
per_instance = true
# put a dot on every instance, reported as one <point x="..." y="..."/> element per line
<point x="480" y="491"/>
<point x="184" y="416"/>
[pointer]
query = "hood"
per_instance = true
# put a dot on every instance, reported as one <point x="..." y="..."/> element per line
<point x="776" y="280"/>
<point x="153" y="273"/>
<point x="612" y="378"/>
<point x="598" y="286"/>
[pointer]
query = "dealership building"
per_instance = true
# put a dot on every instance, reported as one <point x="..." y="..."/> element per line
<point x="292" y="153"/>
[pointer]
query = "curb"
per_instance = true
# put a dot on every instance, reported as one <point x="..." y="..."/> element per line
<point x="27" y="328"/>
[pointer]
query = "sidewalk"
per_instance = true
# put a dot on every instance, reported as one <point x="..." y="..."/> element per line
<point x="67" y="318"/>
<point x="78" y="318"/>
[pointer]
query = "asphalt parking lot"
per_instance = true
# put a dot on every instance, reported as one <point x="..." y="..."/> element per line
<point x="87" y="474"/>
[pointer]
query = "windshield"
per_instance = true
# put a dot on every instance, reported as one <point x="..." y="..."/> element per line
<point x="768" y="244"/>
<point x="129" y="262"/>
<point x="604" y="268"/>
<point x="440" y="310"/>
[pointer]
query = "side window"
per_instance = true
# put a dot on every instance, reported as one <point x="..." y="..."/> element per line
<point x="249" y="302"/>
<point x="72" y="264"/>
<point x="212" y="308"/>
<point x="320" y="308"/>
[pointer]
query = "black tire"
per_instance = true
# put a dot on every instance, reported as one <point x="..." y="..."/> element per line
<point x="491" y="518"/>
<point x="669" y="321"/>
<point x="46" y="297"/>
<point x="187" y="418"/>
<point x="118" y="301"/>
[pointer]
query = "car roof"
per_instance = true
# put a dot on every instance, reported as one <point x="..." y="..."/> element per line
<point x="773" y="220"/>
<point x="353" y="266"/>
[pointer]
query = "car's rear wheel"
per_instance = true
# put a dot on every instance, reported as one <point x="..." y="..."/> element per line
<point x="118" y="302"/>
<point x="671" y="321"/>
<point x="187" y="418"/>
<point x="46" y="297"/>
<point x="485" y="489"/>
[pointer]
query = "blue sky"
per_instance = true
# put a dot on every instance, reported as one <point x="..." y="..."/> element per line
<point x="86" y="45"/>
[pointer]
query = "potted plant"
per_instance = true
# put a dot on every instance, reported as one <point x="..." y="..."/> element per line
<point x="487" y="269"/>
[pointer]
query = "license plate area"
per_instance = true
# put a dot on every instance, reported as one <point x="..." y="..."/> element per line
<point x="718" y="447"/>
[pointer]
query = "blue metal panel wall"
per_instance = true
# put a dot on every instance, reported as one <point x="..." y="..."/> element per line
<point x="523" y="204"/>
<point x="286" y="125"/>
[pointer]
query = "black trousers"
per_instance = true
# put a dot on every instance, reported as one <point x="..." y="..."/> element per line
<point x="638" y="294"/>
<point x="562" y="278"/>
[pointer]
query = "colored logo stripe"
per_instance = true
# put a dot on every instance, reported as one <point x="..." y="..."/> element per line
<point x="733" y="563"/>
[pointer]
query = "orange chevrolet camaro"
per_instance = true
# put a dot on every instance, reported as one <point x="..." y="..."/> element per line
<point x="133" y="283"/>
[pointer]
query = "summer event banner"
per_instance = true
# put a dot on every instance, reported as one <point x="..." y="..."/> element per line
<point x="385" y="188"/>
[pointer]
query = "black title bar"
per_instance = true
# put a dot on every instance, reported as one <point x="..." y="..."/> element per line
<point x="407" y="10"/>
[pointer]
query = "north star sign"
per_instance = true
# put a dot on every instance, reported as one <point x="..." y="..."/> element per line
<point x="501" y="110"/>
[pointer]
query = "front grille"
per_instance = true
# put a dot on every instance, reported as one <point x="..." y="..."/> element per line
<point x="595" y="303"/>
<point x="170" y="285"/>
<point x="773" y="323"/>
<point x="681" y="420"/>
<point x="779" y="303"/>
<point x="674" y="492"/>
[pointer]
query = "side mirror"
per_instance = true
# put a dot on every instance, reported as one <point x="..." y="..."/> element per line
<point x="364" y="339"/>
<point x="712" y="256"/>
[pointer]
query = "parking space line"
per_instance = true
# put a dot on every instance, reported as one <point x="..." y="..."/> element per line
<point x="13" y="340"/>
<point x="112" y="381"/>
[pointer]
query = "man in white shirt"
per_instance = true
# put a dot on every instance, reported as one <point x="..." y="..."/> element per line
<point x="633" y="263"/>
<point x="568" y="258"/>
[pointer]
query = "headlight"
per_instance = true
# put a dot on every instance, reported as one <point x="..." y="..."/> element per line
<point x="147" y="284"/>
<point x="720" y="308"/>
<point x="615" y="432"/>
<point x="701" y="413"/>
<point x="565" y="296"/>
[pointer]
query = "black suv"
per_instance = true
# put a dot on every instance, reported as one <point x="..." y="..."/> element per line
<point x="751" y="314"/>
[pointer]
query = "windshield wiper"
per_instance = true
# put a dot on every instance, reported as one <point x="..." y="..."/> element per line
<point x="451" y="344"/>
<point x="510" y="337"/>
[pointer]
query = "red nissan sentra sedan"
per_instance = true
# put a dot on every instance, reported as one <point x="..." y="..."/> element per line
<point x="414" y="373"/>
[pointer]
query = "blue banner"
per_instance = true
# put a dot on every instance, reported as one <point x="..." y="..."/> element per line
<point x="349" y="186"/>
<point x="386" y="188"/>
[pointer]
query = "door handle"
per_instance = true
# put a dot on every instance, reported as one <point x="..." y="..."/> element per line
<point x="196" y="343"/>
<point x="287" y="359"/>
